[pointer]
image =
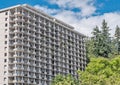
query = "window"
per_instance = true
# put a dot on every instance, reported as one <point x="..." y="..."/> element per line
<point x="5" y="48"/>
<point x="6" y="19"/>
<point x="6" y="25"/>
<point x="5" y="72"/>
<point x="5" y="42"/>
<point x="5" y="54"/>
<point x="5" y="60"/>
<point x="5" y="80"/>
<point x="5" y="66"/>
<point x="5" y="30"/>
<point x="5" y="36"/>
<point x="6" y="13"/>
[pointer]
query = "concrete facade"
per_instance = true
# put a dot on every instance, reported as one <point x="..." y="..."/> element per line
<point x="34" y="47"/>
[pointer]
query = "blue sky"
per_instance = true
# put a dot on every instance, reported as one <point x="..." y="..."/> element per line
<point x="82" y="14"/>
<point x="107" y="5"/>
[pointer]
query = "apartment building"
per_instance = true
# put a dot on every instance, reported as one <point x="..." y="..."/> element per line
<point x="34" y="47"/>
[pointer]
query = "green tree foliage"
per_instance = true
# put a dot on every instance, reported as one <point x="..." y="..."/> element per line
<point x="117" y="39"/>
<point x="102" y="42"/>
<point x="96" y="41"/>
<point x="101" y="71"/>
<point x="65" y="80"/>
<point x="106" y="41"/>
<point x="117" y="33"/>
<point x="89" y="49"/>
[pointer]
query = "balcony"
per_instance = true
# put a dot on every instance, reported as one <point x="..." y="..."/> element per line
<point x="12" y="21"/>
<point x="14" y="68"/>
<point x="18" y="49"/>
<point x="15" y="55"/>
<point x="17" y="31"/>
<point x="19" y="20"/>
<point x="18" y="13"/>
<point x="10" y="81"/>
<point x="14" y="61"/>
<point x="16" y="37"/>
<point x="12" y="15"/>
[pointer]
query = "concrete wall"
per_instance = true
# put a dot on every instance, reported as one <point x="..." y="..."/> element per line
<point x="3" y="32"/>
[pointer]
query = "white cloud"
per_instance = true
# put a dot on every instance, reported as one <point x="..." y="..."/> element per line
<point x="86" y="7"/>
<point x="46" y="9"/>
<point x="86" y="25"/>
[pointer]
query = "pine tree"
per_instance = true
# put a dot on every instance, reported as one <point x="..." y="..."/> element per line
<point x="96" y="40"/>
<point x="102" y="41"/>
<point x="117" y="38"/>
<point x="106" y="41"/>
